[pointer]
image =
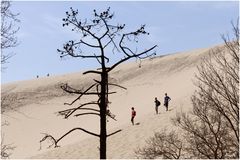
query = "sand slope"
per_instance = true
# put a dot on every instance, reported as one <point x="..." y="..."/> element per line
<point x="31" y="108"/>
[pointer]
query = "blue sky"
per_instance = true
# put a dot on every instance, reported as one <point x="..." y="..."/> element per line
<point x="173" y="26"/>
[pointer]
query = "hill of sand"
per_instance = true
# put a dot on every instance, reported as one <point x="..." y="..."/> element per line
<point x="30" y="107"/>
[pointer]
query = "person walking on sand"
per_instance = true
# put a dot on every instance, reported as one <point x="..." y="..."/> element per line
<point x="166" y="101"/>
<point x="157" y="104"/>
<point x="133" y="115"/>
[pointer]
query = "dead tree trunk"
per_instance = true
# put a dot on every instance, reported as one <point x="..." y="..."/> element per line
<point x="104" y="34"/>
<point x="103" y="108"/>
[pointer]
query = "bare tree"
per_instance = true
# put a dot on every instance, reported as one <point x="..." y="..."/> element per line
<point x="161" y="145"/>
<point x="206" y="135"/>
<point x="98" y="35"/>
<point x="6" y="149"/>
<point x="216" y="102"/>
<point x="8" y="30"/>
<point x="211" y="130"/>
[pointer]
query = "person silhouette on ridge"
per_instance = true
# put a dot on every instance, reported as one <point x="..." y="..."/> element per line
<point x="157" y="104"/>
<point x="166" y="101"/>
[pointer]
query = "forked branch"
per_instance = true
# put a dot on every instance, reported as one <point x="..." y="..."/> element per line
<point x="71" y="90"/>
<point x="132" y="56"/>
<point x="55" y="141"/>
<point x="69" y="112"/>
<point x="81" y="94"/>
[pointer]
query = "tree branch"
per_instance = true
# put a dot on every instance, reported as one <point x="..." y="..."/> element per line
<point x="112" y="84"/>
<point x="55" y="141"/>
<point x="114" y="133"/>
<point x="81" y="95"/>
<point x="71" y="90"/>
<point x="91" y="71"/>
<point x="87" y="114"/>
<point x="87" y="44"/>
<point x="129" y="57"/>
<point x="69" y="112"/>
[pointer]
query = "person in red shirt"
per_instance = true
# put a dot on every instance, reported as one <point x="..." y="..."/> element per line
<point x="133" y="115"/>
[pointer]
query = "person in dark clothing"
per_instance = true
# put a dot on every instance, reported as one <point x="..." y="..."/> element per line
<point x="133" y="115"/>
<point x="166" y="101"/>
<point x="157" y="104"/>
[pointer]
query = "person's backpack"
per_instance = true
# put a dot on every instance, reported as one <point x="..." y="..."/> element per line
<point x="158" y="103"/>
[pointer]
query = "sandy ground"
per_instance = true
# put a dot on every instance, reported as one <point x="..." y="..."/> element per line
<point x="31" y="108"/>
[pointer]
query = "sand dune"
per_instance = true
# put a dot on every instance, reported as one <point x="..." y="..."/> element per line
<point x="31" y="108"/>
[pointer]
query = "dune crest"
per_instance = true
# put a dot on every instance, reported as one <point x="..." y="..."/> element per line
<point x="31" y="108"/>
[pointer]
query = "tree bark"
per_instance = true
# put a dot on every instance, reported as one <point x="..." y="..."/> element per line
<point x="103" y="105"/>
<point x="103" y="131"/>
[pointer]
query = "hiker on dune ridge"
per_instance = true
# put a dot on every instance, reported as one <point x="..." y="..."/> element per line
<point x="133" y="115"/>
<point x="157" y="104"/>
<point x="166" y="101"/>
